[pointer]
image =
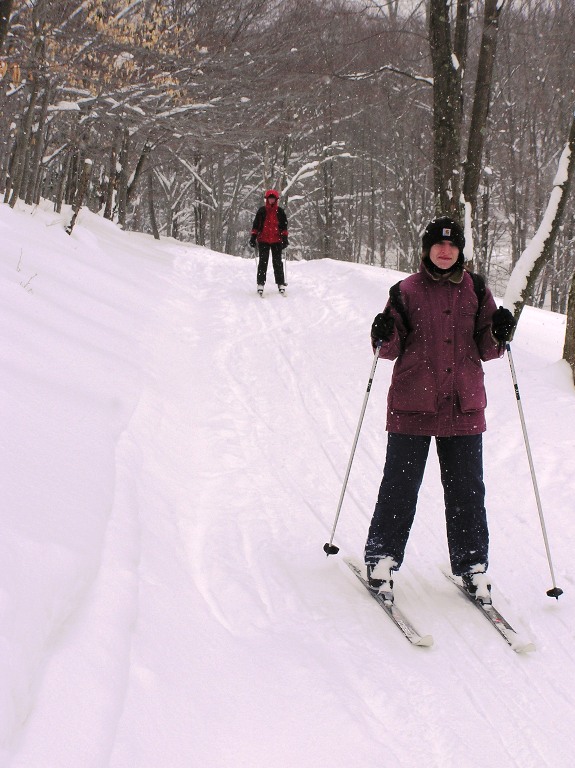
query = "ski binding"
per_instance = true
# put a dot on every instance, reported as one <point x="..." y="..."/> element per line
<point x="391" y="609"/>
<point x="511" y="637"/>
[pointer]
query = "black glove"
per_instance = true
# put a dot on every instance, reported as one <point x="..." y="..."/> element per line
<point x="382" y="327"/>
<point x="503" y="324"/>
<point x="253" y="241"/>
<point x="285" y="241"/>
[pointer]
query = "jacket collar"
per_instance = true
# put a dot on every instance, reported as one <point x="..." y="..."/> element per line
<point x="454" y="275"/>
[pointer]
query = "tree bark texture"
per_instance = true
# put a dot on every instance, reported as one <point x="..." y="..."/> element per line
<point x="549" y="243"/>
<point x="569" y="345"/>
<point x="80" y="194"/>
<point x="5" y="11"/>
<point x="151" y="206"/>
<point x="481" y="100"/>
<point x="122" y="179"/>
<point x="447" y="111"/>
<point x="34" y="169"/>
<point x="21" y="146"/>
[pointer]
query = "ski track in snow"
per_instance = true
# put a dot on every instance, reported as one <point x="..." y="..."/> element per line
<point x="207" y="627"/>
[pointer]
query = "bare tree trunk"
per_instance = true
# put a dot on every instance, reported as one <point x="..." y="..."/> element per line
<point x="447" y="109"/>
<point x="112" y="178"/>
<point x="358" y="217"/>
<point x="15" y="181"/>
<point x="145" y="167"/>
<point x="176" y="221"/>
<point x="74" y="174"/>
<point x="34" y="64"/>
<point x="199" y="218"/>
<point x="5" y="11"/>
<point x="539" y="301"/>
<point x="569" y="346"/>
<point x="372" y="215"/>
<point x="81" y="193"/>
<point x="287" y="145"/>
<point x="482" y="257"/>
<point x="35" y="164"/>
<point x="216" y="235"/>
<point x="480" y="110"/>
<point x="233" y="207"/>
<point x="151" y="208"/>
<point x="328" y="210"/>
<point x="62" y="182"/>
<point x="140" y="165"/>
<point x="122" y="188"/>
<point x="544" y="240"/>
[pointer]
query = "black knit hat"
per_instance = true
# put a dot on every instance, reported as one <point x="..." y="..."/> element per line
<point x="443" y="228"/>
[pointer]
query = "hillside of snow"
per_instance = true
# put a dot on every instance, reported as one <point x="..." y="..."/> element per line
<point x="172" y="454"/>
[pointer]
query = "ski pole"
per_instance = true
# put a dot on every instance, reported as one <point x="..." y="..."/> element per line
<point x="329" y="548"/>
<point x="556" y="591"/>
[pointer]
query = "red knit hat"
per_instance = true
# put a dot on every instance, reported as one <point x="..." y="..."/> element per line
<point x="272" y="193"/>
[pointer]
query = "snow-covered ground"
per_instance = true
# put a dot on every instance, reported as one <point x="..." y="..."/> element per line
<point x="172" y="454"/>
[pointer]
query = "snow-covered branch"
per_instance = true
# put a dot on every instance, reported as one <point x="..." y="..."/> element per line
<point x="386" y="68"/>
<point x="540" y="249"/>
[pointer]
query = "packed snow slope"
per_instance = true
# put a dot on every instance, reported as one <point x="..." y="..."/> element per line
<point x="173" y="450"/>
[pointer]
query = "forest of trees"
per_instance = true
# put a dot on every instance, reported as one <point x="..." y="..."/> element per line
<point x="175" y="115"/>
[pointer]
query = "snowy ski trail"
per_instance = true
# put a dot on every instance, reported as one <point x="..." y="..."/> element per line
<point x="207" y="627"/>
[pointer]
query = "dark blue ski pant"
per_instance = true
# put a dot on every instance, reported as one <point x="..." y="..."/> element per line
<point x="461" y="465"/>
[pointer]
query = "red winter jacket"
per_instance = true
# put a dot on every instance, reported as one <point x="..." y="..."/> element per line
<point x="270" y="224"/>
<point x="437" y="383"/>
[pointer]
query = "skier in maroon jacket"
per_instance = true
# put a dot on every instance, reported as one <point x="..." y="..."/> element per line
<point x="270" y="233"/>
<point x="438" y="328"/>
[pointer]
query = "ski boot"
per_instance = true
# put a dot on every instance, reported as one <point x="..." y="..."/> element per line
<point x="379" y="577"/>
<point x="476" y="582"/>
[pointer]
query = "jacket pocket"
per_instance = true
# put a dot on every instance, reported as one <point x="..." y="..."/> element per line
<point x="414" y="390"/>
<point x="470" y="386"/>
<point x="468" y="306"/>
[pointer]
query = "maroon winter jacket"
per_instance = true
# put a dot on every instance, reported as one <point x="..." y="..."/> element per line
<point x="437" y="384"/>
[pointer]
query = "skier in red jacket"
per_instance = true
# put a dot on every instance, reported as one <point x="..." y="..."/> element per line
<point x="270" y="232"/>
<point x="438" y="330"/>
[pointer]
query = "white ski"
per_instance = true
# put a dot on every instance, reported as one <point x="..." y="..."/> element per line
<point x="391" y="609"/>
<point x="505" y="629"/>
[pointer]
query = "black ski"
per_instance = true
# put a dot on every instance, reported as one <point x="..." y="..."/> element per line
<point x="505" y="629"/>
<point x="391" y="610"/>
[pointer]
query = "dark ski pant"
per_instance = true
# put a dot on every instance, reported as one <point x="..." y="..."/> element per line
<point x="264" y="253"/>
<point x="461" y="465"/>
